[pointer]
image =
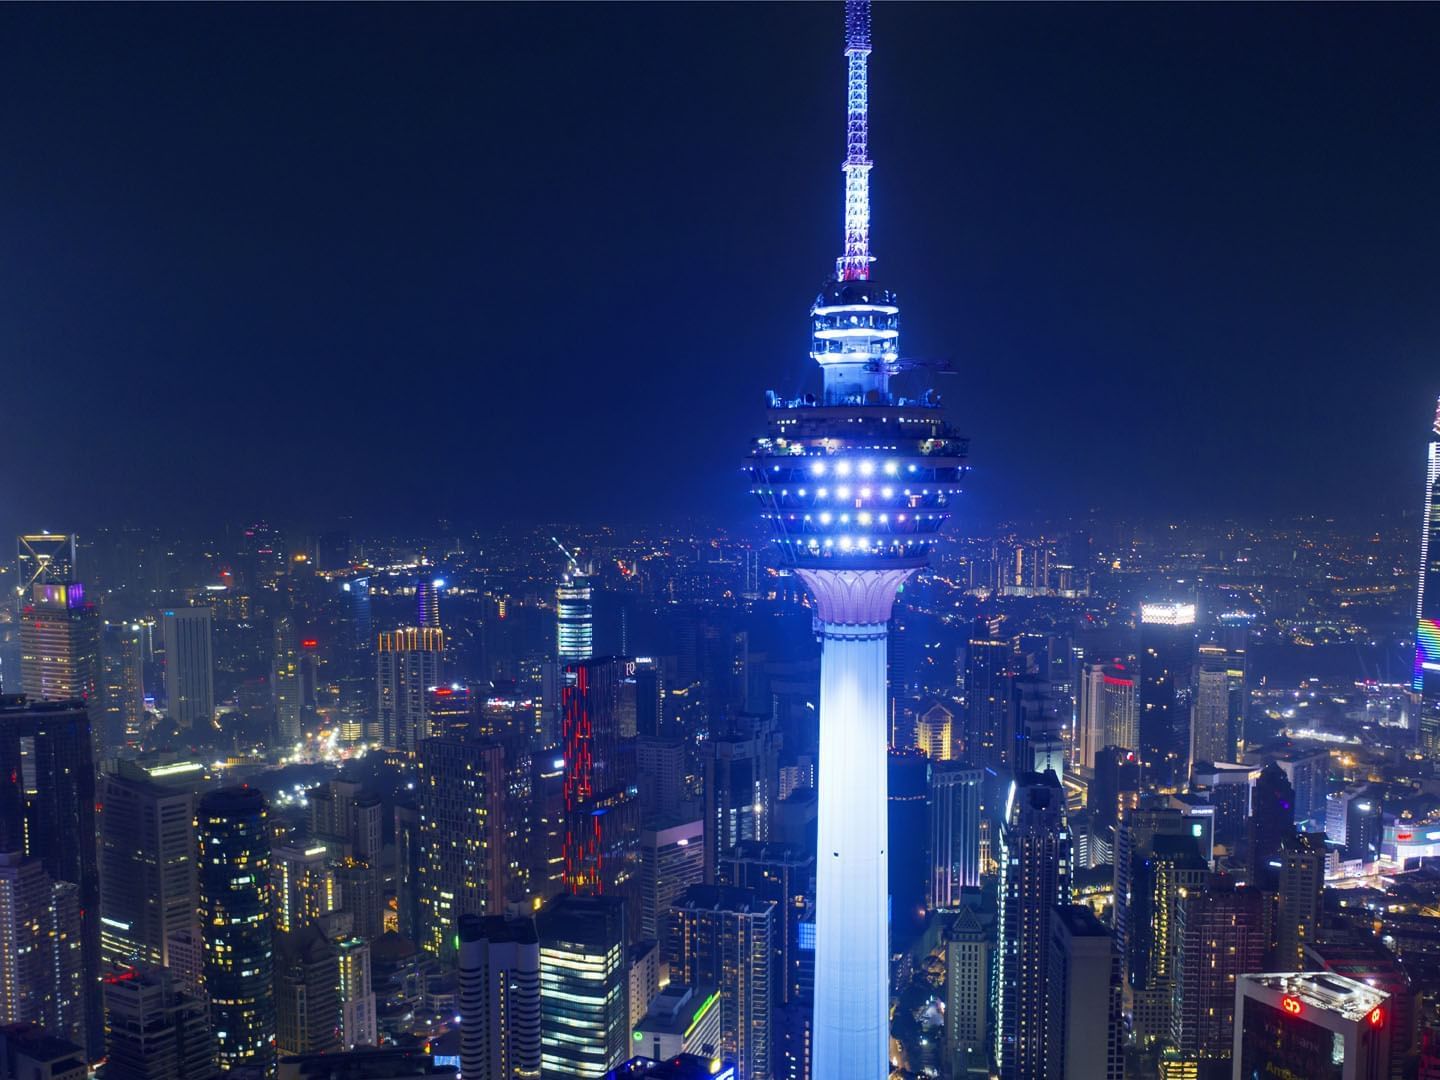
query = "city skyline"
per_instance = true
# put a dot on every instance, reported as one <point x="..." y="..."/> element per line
<point x="282" y="233"/>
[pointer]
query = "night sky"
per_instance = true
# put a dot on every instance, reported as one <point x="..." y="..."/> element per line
<point x="486" y="262"/>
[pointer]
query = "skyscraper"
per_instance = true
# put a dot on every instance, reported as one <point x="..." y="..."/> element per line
<point x="742" y="772"/>
<point x="147" y="866"/>
<point x="461" y="784"/>
<point x="47" y="812"/>
<point x="1220" y="934"/>
<point x="1425" y="681"/>
<point x="1272" y="822"/>
<point x="122" y="683"/>
<point x="60" y="645"/>
<point x="1299" y="1024"/>
<point x="721" y="936"/>
<point x="154" y="1031"/>
<point x="574" y="617"/>
<point x="1167" y="659"/>
<point x="189" y="666"/>
<point x="285" y="682"/>
<point x="499" y="998"/>
<point x="856" y="484"/>
<point x="968" y="949"/>
<point x="584" y="988"/>
<point x="1301" y="905"/>
<point x="1160" y="877"/>
<point x="1086" y="1038"/>
<point x="955" y="797"/>
<point x="1034" y="878"/>
<point x="407" y="664"/>
<point x="357" y="994"/>
<point x="236" y="921"/>
<point x="988" y="662"/>
<point x="672" y="858"/>
<point x="1106" y="712"/>
<point x="1210" y="713"/>
<point x="43" y="558"/>
<point x="307" y="992"/>
<point x="41" y="980"/>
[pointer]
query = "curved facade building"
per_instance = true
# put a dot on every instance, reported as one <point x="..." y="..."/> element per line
<point x="856" y="485"/>
<point x="235" y="924"/>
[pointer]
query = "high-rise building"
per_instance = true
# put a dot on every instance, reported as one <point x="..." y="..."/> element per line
<point x="660" y="775"/>
<point x="43" y="558"/>
<point x="461" y="785"/>
<point x="1167" y="661"/>
<point x="721" y="936"/>
<point x="407" y="663"/>
<point x="189" y="666"/>
<point x="357" y="994"/>
<point x="1425" y="681"/>
<point x="989" y="662"/>
<point x="1160" y="877"/>
<point x="1135" y="839"/>
<point x="1272" y="822"/>
<point x="428" y="588"/>
<point x="1364" y="827"/>
<point x="672" y="858"/>
<point x="232" y="829"/>
<point x="302" y="887"/>
<point x="784" y="875"/>
<point x="122" y="684"/>
<point x="285" y="682"/>
<point x="584" y="989"/>
<point x="644" y="960"/>
<point x="154" y="1031"/>
<point x="48" y="813"/>
<point x="1301" y="906"/>
<point x="1086" y="1036"/>
<point x="307" y="992"/>
<point x="856" y="483"/>
<point x="1311" y="1025"/>
<point x="1210" y="713"/>
<point x="1220" y="934"/>
<point x="1034" y="878"/>
<point x="1107" y="714"/>
<point x="933" y="731"/>
<point x="955" y="812"/>
<point x="742" y="774"/>
<point x="409" y="851"/>
<point x="41" y="974"/>
<point x="969" y="945"/>
<point x="60" y="646"/>
<point x="147" y="866"/>
<point x="499" y="998"/>
<point x="681" y="1020"/>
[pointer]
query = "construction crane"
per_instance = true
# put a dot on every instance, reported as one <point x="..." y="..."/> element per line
<point x="572" y="565"/>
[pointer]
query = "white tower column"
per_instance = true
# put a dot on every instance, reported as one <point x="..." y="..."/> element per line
<point x="852" y="931"/>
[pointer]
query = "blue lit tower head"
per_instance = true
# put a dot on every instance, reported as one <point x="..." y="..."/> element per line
<point x="856" y="486"/>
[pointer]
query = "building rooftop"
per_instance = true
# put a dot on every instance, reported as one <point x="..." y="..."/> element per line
<point x="1324" y="990"/>
<point x="677" y="1008"/>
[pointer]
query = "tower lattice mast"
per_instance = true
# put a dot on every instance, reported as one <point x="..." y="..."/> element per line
<point x="855" y="263"/>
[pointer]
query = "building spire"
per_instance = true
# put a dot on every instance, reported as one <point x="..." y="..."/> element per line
<point x="854" y="264"/>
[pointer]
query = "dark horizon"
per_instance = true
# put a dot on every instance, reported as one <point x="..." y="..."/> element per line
<point x="537" y="262"/>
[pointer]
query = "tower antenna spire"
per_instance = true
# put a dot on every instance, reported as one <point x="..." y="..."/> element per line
<point x="854" y="264"/>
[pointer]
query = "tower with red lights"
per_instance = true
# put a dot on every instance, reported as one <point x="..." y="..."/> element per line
<point x="855" y="485"/>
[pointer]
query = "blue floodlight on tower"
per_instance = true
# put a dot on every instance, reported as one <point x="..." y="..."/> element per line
<point x="856" y="487"/>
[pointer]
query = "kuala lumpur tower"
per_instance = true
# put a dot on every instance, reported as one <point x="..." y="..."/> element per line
<point x="856" y="487"/>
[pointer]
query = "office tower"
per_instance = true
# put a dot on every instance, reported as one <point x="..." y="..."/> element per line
<point x="784" y="875"/>
<point x="407" y="663"/>
<point x="409" y="850"/>
<point x="643" y="959"/>
<point x="49" y="814"/>
<point x="1031" y="710"/>
<point x="285" y="682"/>
<point x="1133" y="890"/>
<point x="1034" y="879"/>
<point x="1167" y="659"/>
<point x="1106" y="714"/>
<point x="153" y="1030"/>
<point x="307" y="998"/>
<point x="672" y="858"/>
<point x="1309" y="1025"/>
<point x="357" y="996"/>
<point x="1301" y="908"/>
<point x="1115" y="787"/>
<point x="1210" y="714"/>
<point x="955" y="790"/>
<point x="499" y="998"/>
<point x="122" y="684"/>
<point x="189" y="666"/>
<point x="461" y="789"/>
<point x="341" y="811"/>
<point x="969" y="945"/>
<point x="60" y="645"/>
<point x="721" y="936"/>
<point x="186" y="949"/>
<point x="1160" y="877"/>
<point x="427" y="600"/>
<point x="742" y="774"/>
<point x="932" y="732"/>
<point x="854" y="522"/>
<point x="1086" y="1037"/>
<point x="584" y="989"/>
<point x="598" y="757"/>
<point x="1272" y="822"/>
<point x="989" y="660"/>
<point x="147" y="866"/>
<point x="232" y="829"/>
<point x="1309" y="774"/>
<point x="1425" y="682"/>
<point x="660" y="775"/>
<point x="574" y="616"/>
<point x="1220" y="934"/>
<point x="681" y="1020"/>
<point x="43" y="558"/>
<point x="42" y="979"/>
<point x="302" y="887"/>
<point x="1364" y="828"/>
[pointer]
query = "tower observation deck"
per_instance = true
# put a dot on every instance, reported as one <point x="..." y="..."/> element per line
<point x="855" y="485"/>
